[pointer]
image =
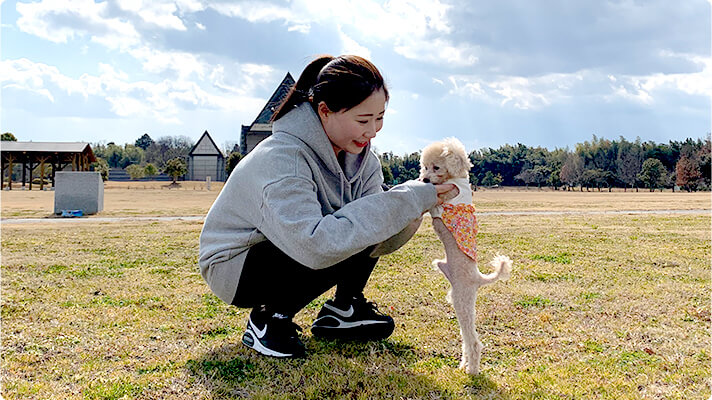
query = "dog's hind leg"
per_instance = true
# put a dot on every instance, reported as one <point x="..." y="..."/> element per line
<point x="463" y="300"/>
<point x="462" y="272"/>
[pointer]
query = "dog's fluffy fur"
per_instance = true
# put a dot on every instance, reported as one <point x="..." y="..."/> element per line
<point x="440" y="162"/>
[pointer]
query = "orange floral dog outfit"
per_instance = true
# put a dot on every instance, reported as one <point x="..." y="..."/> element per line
<point x="458" y="215"/>
<point x="461" y="221"/>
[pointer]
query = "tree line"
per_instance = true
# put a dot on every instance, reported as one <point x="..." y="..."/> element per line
<point x="145" y="157"/>
<point x="596" y="164"/>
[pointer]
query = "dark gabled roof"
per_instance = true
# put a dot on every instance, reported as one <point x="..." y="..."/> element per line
<point x="206" y="135"/>
<point x="275" y="100"/>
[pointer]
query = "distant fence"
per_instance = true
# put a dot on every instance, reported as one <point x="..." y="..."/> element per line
<point x="120" y="175"/>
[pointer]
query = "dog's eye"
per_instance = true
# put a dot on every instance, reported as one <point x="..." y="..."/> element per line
<point x="435" y="168"/>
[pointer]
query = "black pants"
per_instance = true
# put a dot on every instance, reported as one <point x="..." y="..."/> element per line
<point x="273" y="280"/>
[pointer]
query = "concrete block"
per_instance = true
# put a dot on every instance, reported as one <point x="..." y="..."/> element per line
<point x="78" y="191"/>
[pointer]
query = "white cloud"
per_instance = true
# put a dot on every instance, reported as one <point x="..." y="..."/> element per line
<point x="522" y="92"/>
<point x="350" y="46"/>
<point x="417" y="30"/>
<point x="155" y="61"/>
<point x="23" y="74"/>
<point x="189" y="6"/>
<point x="243" y="79"/>
<point x="255" y="11"/>
<point x="646" y="89"/>
<point x="163" y="100"/>
<point x="301" y="28"/>
<point x="697" y="83"/>
<point x="542" y="91"/>
<point x="160" y="14"/>
<point x="124" y="106"/>
<point x="184" y="79"/>
<point x="200" y="26"/>
<point x="437" y="51"/>
<point x="41" y="92"/>
<point x="466" y="87"/>
<point x="78" y="18"/>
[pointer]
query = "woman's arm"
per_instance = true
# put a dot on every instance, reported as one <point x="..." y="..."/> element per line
<point x="397" y="241"/>
<point x="292" y="219"/>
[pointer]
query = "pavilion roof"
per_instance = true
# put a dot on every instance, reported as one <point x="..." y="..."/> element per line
<point x="44" y="147"/>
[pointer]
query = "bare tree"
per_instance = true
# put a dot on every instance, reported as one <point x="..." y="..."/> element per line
<point x="572" y="171"/>
<point x="167" y="148"/>
<point x="628" y="164"/>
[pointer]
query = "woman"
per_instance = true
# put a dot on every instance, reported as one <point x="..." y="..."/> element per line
<point x="305" y="211"/>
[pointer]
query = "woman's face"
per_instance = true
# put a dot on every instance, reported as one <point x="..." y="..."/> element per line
<point x="351" y="130"/>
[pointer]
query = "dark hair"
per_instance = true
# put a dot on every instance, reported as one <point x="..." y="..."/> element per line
<point x="341" y="82"/>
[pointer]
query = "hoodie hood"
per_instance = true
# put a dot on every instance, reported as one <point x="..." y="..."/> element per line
<point x="303" y="123"/>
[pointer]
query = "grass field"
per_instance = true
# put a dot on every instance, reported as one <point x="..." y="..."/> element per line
<point x="598" y="307"/>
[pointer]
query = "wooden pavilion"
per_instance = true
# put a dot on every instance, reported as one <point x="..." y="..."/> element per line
<point x="56" y="155"/>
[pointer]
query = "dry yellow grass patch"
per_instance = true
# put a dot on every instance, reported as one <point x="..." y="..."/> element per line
<point x="191" y="198"/>
<point x="546" y="199"/>
<point x="122" y="199"/>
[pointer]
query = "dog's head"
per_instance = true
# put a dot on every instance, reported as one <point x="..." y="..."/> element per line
<point x="444" y="160"/>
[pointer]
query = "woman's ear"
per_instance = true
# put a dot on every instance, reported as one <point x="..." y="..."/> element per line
<point x="323" y="110"/>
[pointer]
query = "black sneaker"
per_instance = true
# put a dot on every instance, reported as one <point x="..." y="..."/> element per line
<point x="274" y="336"/>
<point x="356" y="320"/>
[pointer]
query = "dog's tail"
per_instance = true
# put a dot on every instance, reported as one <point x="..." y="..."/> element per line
<point x="502" y="270"/>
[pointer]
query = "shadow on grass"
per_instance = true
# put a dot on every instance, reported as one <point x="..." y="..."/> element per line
<point x="337" y="370"/>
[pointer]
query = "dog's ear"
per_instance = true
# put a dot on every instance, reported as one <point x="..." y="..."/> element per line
<point x="458" y="165"/>
<point x="458" y="162"/>
<point x="425" y="157"/>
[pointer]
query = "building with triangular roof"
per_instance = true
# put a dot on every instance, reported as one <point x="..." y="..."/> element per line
<point x="261" y="127"/>
<point x="205" y="159"/>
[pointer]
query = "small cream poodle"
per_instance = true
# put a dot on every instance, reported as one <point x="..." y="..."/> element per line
<point x="455" y="223"/>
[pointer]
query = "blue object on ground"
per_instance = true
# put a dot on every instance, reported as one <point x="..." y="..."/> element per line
<point x="72" y="213"/>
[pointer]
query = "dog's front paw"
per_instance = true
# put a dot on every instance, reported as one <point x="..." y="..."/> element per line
<point x="469" y="367"/>
<point x="472" y="370"/>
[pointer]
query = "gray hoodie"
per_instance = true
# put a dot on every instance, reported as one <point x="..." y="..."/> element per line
<point x="292" y="191"/>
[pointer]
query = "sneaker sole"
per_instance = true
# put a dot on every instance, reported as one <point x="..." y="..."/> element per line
<point x="250" y="340"/>
<point x="362" y="330"/>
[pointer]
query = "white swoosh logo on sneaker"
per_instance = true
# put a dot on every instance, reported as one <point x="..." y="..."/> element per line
<point x="260" y="333"/>
<point x="346" y="314"/>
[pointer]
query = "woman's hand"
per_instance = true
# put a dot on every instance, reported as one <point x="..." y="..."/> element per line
<point x="445" y="192"/>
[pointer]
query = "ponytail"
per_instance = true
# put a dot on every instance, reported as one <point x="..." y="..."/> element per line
<point x="302" y="90"/>
<point x="341" y="82"/>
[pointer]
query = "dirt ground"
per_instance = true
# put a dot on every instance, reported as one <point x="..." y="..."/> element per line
<point x="192" y="199"/>
<point x="121" y="199"/>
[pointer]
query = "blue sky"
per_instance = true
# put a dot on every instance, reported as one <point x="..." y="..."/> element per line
<point x="548" y="73"/>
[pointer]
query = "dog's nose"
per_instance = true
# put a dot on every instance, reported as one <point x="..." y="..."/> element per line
<point x="426" y="180"/>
